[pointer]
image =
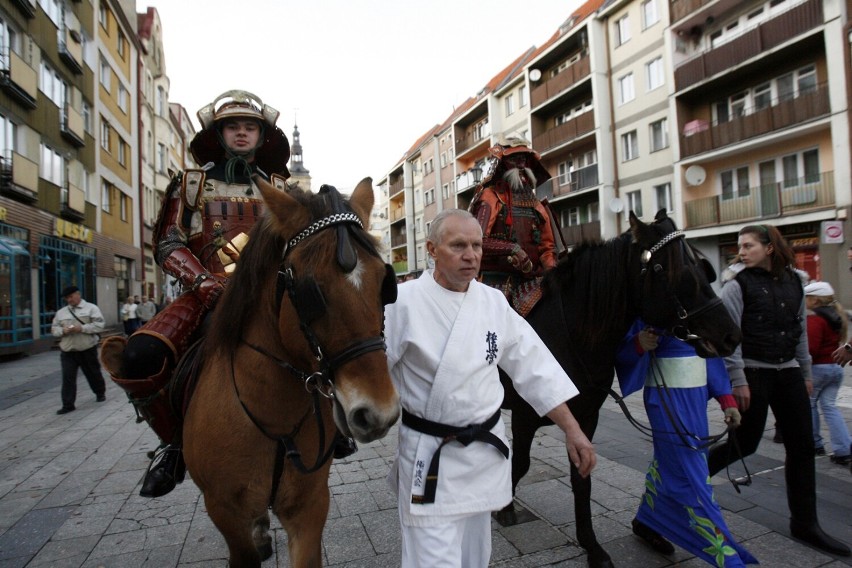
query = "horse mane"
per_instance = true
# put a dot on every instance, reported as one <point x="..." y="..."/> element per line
<point x="593" y="277"/>
<point x="251" y="289"/>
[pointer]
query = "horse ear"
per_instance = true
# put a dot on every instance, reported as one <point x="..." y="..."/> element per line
<point x="362" y="200"/>
<point x="290" y="215"/>
<point x="636" y="226"/>
<point x="661" y="215"/>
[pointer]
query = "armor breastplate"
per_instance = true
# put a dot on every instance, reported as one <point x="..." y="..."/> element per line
<point x="224" y="211"/>
<point x="525" y="231"/>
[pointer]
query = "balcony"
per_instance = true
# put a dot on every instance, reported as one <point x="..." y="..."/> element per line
<point x="70" y="49"/>
<point x="397" y="213"/>
<point x="580" y="179"/>
<point x="71" y="126"/>
<point x="27" y="7"/>
<point x="566" y="79"/>
<point x="398" y="239"/>
<point x="764" y="202"/>
<point x="782" y="114"/>
<point x="468" y="180"/>
<point x="766" y="36"/>
<point x="400" y="266"/>
<point x="18" y="79"/>
<point x="565" y="132"/>
<point x="19" y="178"/>
<point x="396" y="186"/>
<point x="575" y="234"/>
<point x="73" y="203"/>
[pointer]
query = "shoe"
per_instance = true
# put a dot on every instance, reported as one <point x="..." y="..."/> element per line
<point x="652" y="537"/>
<point x="816" y="537"/>
<point x="841" y="460"/>
<point x="820" y="451"/>
<point x="101" y="398"/>
<point x="344" y="447"/>
<point x="66" y="410"/>
<point x="166" y="470"/>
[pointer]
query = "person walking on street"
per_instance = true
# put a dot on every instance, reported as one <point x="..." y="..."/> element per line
<point x="129" y="316"/>
<point x="77" y="325"/>
<point x="679" y="503"/>
<point x="445" y="370"/>
<point x="146" y="310"/>
<point x="826" y="325"/>
<point x="764" y="293"/>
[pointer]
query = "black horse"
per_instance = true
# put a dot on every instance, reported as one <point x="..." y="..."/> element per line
<point x="589" y="301"/>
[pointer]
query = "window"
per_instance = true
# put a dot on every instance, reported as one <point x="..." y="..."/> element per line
<point x="8" y="131"/>
<point x="122" y="44"/>
<point x="122" y="158"/>
<point x="659" y="135"/>
<point x="810" y="160"/>
<point x="428" y="167"/>
<point x="622" y="30"/>
<point x="634" y="202"/>
<point x="664" y="196"/>
<point x="443" y="159"/>
<point x="87" y="117"/>
<point x="106" y="196"/>
<point x="564" y="173"/>
<point x="510" y="105"/>
<point x="572" y="217"/>
<point x="8" y="43"/>
<point x="161" y="157"/>
<point x="626" y="91"/>
<point x="650" y="16"/>
<point x="53" y="9"/>
<point x="106" y="75"/>
<point x="654" y="73"/>
<point x="87" y="186"/>
<point x="52" y="166"/>
<point x="122" y="98"/>
<point x="122" y="206"/>
<point x="52" y="85"/>
<point x="522" y="96"/>
<point x="629" y="146"/>
<point x="445" y="191"/>
<point x="102" y="15"/>
<point x="429" y="196"/>
<point x="762" y="96"/>
<point x="735" y="183"/>
<point x="105" y="142"/>
<point x="417" y="197"/>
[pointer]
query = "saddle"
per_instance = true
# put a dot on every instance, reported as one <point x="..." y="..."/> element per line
<point x="185" y="378"/>
<point x="522" y="294"/>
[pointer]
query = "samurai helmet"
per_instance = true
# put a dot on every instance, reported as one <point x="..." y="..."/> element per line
<point x="505" y="151"/>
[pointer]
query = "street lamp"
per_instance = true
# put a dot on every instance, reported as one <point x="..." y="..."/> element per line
<point x="476" y="172"/>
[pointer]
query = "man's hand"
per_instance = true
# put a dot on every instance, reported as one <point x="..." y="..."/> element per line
<point x="648" y="339"/>
<point x="841" y="356"/>
<point x="733" y="417"/>
<point x="520" y="260"/>
<point x="743" y="397"/>
<point x="581" y="452"/>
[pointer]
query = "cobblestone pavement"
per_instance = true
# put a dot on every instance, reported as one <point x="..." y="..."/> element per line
<point x="69" y="494"/>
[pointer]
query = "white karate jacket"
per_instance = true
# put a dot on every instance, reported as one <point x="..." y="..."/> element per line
<point x="443" y="349"/>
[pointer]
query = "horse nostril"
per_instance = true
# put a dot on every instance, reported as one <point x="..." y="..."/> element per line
<point x="361" y="420"/>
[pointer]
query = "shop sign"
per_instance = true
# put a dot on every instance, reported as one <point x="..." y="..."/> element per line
<point x="832" y="232"/>
<point x="804" y="242"/>
<point x="69" y="230"/>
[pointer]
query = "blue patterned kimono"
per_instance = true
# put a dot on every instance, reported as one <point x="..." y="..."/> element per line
<point x="678" y="502"/>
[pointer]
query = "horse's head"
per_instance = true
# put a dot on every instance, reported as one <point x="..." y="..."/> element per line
<point x="331" y="292"/>
<point x="672" y="288"/>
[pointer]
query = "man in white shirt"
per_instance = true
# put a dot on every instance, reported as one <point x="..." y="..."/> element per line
<point x="78" y="325"/>
<point x="446" y="335"/>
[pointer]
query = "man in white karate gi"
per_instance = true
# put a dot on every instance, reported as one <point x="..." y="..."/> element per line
<point x="446" y="335"/>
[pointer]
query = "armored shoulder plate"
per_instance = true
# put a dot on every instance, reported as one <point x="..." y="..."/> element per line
<point x="278" y="181"/>
<point x="193" y="182"/>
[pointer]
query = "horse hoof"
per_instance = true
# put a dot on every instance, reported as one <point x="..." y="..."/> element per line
<point x="597" y="557"/>
<point x="265" y="550"/>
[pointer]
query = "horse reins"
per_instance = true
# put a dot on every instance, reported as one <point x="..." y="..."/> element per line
<point x="317" y="383"/>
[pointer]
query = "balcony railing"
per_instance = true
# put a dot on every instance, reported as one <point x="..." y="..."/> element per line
<point x="19" y="177"/>
<point x="473" y="138"/>
<point x="576" y="234"/>
<point x="18" y="79"/>
<point x="768" y="35"/>
<point x="27" y="7"/>
<point x="682" y="8"/>
<point x="70" y="49"/>
<point x="782" y="114"/>
<point x="72" y="126"/>
<point x="400" y="266"/>
<point x="396" y="186"/>
<point x="563" y="81"/>
<point x="767" y="201"/>
<point x="397" y="213"/>
<point x="398" y="239"/>
<point x="565" y="132"/>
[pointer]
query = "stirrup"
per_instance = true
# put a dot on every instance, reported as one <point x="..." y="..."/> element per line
<point x="344" y="447"/>
<point x="167" y="469"/>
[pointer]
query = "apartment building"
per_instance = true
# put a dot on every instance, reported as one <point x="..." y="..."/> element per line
<point x="53" y="159"/>
<point x="761" y="93"/>
<point x="721" y="112"/>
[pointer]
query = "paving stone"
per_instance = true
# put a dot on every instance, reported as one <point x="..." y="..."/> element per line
<point x="29" y="534"/>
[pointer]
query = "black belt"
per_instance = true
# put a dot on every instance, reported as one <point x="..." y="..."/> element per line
<point x="461" y="434"/>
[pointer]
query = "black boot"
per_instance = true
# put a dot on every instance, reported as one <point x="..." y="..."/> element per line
<point x="654" y="539"/>
<point x="166" y="470"/>
<point x="816" y="537"/>
<point x="344" y="447"/>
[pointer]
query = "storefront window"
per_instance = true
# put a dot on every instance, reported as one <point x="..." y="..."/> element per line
<point x="16" y="327"/>
<point x="64" y="263"/>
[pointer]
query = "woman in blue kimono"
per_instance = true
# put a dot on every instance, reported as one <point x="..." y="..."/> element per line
<point x="678" y="503"/>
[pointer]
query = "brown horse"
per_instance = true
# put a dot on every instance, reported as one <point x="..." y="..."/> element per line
<point x="295" y="347"/>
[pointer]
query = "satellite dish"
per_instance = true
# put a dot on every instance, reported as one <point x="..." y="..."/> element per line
<point x="695" y="175"/>
<point x="616" y="205"/>
<point x="535" y="74"/>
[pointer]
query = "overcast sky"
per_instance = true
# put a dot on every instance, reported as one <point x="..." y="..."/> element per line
<point x="363" y="78"/>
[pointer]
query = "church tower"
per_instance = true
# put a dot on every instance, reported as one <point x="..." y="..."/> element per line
<point x="299" y="174"/>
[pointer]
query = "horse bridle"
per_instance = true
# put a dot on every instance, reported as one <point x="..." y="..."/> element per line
<point x="679" y="331"/>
